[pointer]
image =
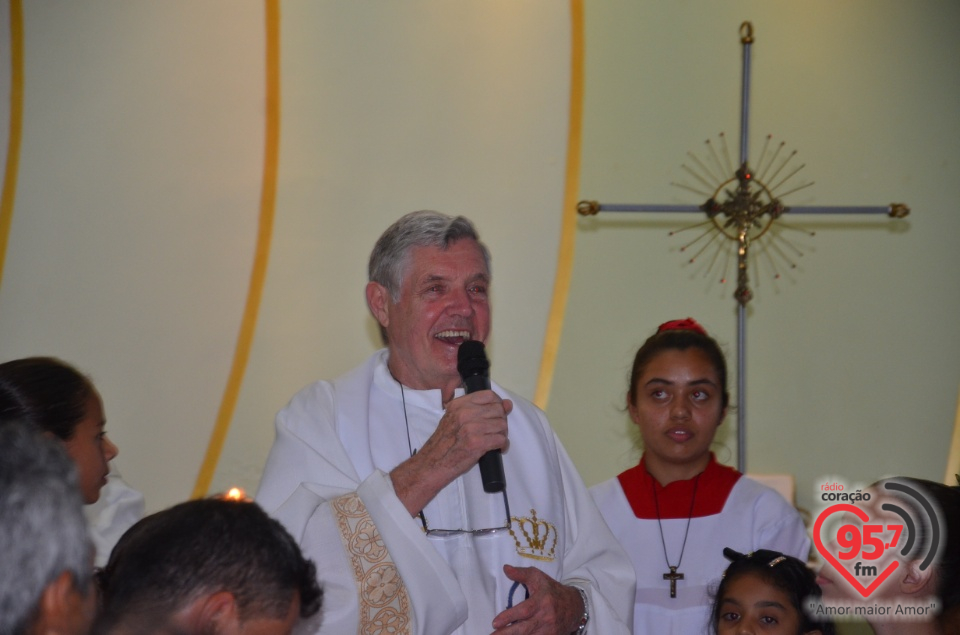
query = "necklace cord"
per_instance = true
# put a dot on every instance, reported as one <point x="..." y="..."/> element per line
<point x="686" y="532"/>
<point x="403" y="398"/>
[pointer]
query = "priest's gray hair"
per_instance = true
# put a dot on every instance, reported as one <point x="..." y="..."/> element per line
<point x="43" y="531"/>
<point x="391" y="254"/>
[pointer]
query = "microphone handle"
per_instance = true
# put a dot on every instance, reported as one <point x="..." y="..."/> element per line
<point x="475" y="383"/>
<point x="491" y="471"/>
<point x="491" y="463"/>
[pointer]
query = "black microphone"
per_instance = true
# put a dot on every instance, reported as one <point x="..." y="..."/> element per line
<point x="474" y="369"/>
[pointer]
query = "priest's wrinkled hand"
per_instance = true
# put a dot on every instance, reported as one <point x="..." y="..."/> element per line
<point x="551" y="609"/>
<point x="471" y="426"/>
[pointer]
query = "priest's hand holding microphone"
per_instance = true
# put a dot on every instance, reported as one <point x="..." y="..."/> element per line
<point x="473" y="427"/>
<point x="473" y="430"/>
<point x="550" y="603"/>
<point x="474" y="368"/>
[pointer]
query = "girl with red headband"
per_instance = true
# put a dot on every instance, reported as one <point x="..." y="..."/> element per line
<point x="676" y="511"/>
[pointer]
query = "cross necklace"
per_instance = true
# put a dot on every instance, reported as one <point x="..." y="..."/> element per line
<point x="673" y="575"/>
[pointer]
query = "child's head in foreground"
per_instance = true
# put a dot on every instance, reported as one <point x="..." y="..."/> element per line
<point x="765" y="591"/>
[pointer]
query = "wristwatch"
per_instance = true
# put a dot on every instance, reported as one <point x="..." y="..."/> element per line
<point x="582" y="626"/>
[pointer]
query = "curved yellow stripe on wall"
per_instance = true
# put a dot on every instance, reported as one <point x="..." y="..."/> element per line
<point x="15" y="127"/>
<point x="259" y="273"/>
<point x="561" y="285"/>
<point x="953" y="459"/>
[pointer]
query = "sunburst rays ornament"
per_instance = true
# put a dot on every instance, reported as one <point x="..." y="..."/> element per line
<point x="744" y="209"/>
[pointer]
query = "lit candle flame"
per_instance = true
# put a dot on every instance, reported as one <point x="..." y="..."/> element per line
<point x="235" y="494"/>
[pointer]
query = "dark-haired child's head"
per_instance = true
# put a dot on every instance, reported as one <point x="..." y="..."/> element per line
<point x="205" y="564"/>
<point x="766" y="591"/>
<point x="57" y="398"/>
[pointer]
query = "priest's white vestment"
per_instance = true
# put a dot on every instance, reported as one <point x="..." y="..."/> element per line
<point x="326" y="479"/>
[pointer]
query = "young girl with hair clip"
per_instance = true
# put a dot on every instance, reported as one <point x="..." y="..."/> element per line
<point x="676" y="511"/>
<point x="766" y="592"/>
<point x="60" y="400"/>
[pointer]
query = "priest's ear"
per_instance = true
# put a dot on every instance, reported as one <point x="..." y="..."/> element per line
<point x="378" y="301"/>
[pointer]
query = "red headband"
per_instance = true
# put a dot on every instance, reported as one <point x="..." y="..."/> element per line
<point x="687" y="324"/>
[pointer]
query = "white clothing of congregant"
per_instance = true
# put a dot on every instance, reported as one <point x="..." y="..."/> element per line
<point x="729" y="510"/>
<point x="117" y="509"/>
<point x="336" y="443"/>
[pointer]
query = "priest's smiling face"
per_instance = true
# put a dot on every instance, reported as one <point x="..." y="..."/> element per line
<point x="678" y="407"/>
<point x="443" y="302"/>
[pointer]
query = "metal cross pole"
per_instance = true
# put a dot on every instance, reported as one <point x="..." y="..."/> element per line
<point x="743" y="208"/>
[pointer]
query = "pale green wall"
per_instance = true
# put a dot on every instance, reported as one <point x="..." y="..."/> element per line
<point x="854" y="358"/>
<point x="139" y="192"/>
<point x="136" y="216"/>
<point x="139" y="187"/>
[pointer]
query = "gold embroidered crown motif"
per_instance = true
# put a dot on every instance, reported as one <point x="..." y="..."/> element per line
<point x="535" y="538"/>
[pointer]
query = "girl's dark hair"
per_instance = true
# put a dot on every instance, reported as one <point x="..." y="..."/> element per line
<point x="45" y="392"/>
<point x="784" y="572"/>
<point x="680" y="340"/>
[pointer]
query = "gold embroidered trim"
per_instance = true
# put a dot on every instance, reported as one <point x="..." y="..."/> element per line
<point x="384" y="604"/>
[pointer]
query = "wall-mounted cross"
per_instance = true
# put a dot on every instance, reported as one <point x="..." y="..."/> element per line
<point x="743" y="207"/>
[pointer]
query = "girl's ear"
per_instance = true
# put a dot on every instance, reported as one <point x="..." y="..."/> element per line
<point x="633" y="412"/>
<point x="916" y="581"/>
